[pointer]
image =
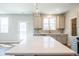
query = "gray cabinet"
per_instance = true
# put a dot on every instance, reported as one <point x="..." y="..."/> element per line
<point x="62" y="38"/>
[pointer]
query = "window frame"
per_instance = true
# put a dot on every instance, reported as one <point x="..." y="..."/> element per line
<point x="49" y="22"/>
<point x="4" y="25"/>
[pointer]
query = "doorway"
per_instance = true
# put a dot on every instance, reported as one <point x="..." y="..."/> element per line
<point x="23" y="32"/>
<point x="74" y="27"/>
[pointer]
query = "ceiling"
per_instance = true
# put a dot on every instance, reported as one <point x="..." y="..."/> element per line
<point x="29" y="8"/>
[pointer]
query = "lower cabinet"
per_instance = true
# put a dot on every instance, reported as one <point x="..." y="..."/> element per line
<point x="62" y="38"/>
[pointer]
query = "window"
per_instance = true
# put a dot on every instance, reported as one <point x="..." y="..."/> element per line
<point x="4" y="24"/>
<point x="49" y="23"/>
<point x="22" y="31"/>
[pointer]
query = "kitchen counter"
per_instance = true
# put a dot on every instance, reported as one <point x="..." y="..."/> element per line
<point x="41" y="45"/>
<point x="49" y="33"/>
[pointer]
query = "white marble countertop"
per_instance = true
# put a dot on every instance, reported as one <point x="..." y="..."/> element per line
<point x="40" y="45"/>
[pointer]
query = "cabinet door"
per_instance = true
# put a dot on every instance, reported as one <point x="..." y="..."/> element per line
<point x="38" y="22"/>
<point x="53" y="35"/>
<point x="60" y="22"/>
<point x="62" y="38"/>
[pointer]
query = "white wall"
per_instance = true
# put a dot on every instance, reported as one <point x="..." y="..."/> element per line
<point x="13" y="34"/>
<point x="74" y="12"/>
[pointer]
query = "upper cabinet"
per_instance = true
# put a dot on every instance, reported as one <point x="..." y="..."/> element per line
<point x="60" y="22"/>
<point x="37" y="22"/>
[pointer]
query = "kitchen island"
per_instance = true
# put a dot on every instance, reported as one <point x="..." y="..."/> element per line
<point x="41" y="46"/>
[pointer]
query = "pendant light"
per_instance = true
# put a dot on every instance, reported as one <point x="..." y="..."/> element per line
<point x="36" y="11"/>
